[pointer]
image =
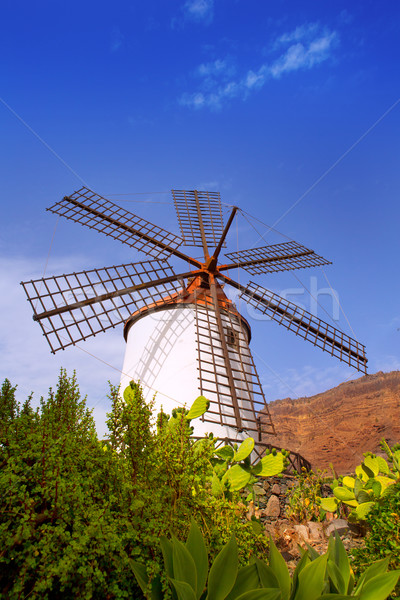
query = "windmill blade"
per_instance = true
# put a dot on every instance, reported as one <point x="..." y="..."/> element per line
<point x="278" y="257"/>
<point x="227" y="373"/>
<point x="70" y="308"/>
<point x="306" y="325"/>
<point x="94" y="211"/>
<point x="199" y="216"/>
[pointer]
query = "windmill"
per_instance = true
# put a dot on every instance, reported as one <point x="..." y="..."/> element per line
<point x="184" y="336"/>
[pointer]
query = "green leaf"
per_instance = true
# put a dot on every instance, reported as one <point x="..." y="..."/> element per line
<point x="140" y="572"/>
<point x="280" y="570"/>
<point x="184" y="565"/>
<point x="266" y="575"/>
<point x="361" y="473"/>
<point x="363" y="509"/>
<point x="247" y="579"/>
<point x="358" y="486"/>
<point x="336" y="577"/>
<point x="343" y="494"/>
<point x="384" y="481"/>
<point x="379" y="587"/>
<point x="383" y="466"/>
<point x="197" y="548"/>
<point x="223" y="572"/>
<point x="198" y="408"/>
<point x="260" y="595"/>
<point x="337" y="553"/>
<point x="312" y="579"/>
<point x="226" y="452"/>
<point x="245" y="449"/>
<point x="377" y="568"/>
<point x="334" y="597"/>
<point x="303" y="562"/>
<point x="183" y="590"/>
<point x="217" y="488"/>
<point x="349" y="482"/>
<point x="129" y="394"/>
<point x="237" y="477"/>
<point x="329" y="504"/>
<point x="372" y="464"/>
<point x="166" y="549"/>
<point x="269" y="465"/>
<point x="363" y="496"/>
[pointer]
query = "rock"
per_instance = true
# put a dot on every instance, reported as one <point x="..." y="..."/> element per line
<point x="316" y="531"/>
<point x="339" y="525"/>
<point x="266" y="485"/>
<point x="258" y="490"/>
<point x="302" y="532"/>
<point x="273" y="508"/>
<point x="276" y="489"/>
<point x="377" y="399"/>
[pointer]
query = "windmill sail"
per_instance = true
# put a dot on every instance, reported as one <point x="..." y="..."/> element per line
<point x="278" y="257"/>
<point x="75" y="306"/>
<point x="94" y="211"/>
<point x="307" y="326"/>
<point x="227" y="373"/>
<point x="200" y="217"/>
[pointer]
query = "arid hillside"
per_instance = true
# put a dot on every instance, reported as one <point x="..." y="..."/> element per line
<point x="340" y="424"/>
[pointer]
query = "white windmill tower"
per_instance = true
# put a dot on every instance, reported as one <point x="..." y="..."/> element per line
<point x="184" y="336"/>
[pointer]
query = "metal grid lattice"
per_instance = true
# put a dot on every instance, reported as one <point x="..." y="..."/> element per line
<point x="213" y="378"/>
<point x="199" y="212"/>
<point x="279" y="257"/>
<point x="84" y="312"/>
<point x="307" y="326"/>
<point x="94" y="211"/>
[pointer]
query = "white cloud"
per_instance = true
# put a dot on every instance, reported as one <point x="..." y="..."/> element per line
<point x="199" y="10"/>
<point x="306" y="46"/>
<point x="26" y="357"/>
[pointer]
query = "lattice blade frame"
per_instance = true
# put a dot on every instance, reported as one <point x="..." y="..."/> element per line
<point x="213" y="379"/>
<point x="91" y="210"/>
<point x="197" y="210"/>
<point x="307" y="326"/>
<point x="72" y="326"/>
<point x="278" y="257"/>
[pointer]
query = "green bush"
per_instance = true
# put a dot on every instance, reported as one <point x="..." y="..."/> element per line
<point x="75" y="509"/>
<point x="304" y="497"/>
<point x="383" y="537"/>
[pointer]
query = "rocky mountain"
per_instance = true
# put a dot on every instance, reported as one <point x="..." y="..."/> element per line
<point x="340" y="424"/>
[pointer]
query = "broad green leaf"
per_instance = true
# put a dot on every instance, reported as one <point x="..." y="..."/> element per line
<point x="217" y="487"/>
<point x="197" y="548"/>
<point x="247" y="579"/>
<point x="384" y="481"/>
<point x="358" y="486"/>
<point x="334" y="597"/>
<point x="260" y="595"/>
<point x="349" y="482"/>
<point x="372" y="464"/>
<point x="266" y="575"/>
<point x="353" y="503"/>
<point x="166" y="549"/>
<point x="377" y="568"/>
<point x="184" y="565"/>
<point x="223" y="572"/>
<point x="338" y="554"/>
<point x="280" y="570"/>
<point x="245" y="449"/>
<point x="129" y="394"/>
<point x="363" y="509"/>
<point x="312" y="579"/>
<point x="364" y="496"/>
<point x="343" y="494"/>
<point x="361" y="473"/>
<point x="226" y="452"/>
<point x="237" y="477"/>
<point x="183" y="590"/>
<point x="383" y="466"/>
<point x="374" y="485"/>
<point x="336" y="577"/>
<point x="303" y="562"/>
<point x="140" y="572"/>
<point x="329" y="504"/>
<point x="379" y="587"/>
<point x="269" y="465"/>
<point x="198" y="408"/>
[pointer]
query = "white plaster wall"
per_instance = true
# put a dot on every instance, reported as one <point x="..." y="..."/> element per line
<point x="161" y="353"/>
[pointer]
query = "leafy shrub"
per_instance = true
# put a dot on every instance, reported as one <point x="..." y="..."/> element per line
<point x="304" y="504"/>
<point x="316" y="577"/>
<point x="383" y="537"/>
<point x="76" y="509"/>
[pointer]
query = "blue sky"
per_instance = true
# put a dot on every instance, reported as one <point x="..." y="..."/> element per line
<point x="287" y="108"/>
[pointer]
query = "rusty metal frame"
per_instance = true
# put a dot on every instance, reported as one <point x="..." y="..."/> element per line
<point x="200" y="217"/>
<point x="271" y="259"/>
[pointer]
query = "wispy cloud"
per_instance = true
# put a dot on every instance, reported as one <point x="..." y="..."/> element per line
<point x="301" y="49"/>
<point x="199" y="10"/>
